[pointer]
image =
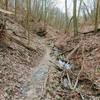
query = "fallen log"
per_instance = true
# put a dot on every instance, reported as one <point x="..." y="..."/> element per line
<point x="16" y="34"/>
<point x="6" y="12"/>
<point x="91" y="31"/>
<point x="74" y="50"/>
<point x="65" y="51"/>
<point x="20" y="43"/>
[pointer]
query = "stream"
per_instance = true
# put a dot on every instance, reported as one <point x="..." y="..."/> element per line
<point x="40" y="73"/>
<point x="38" y="77"/>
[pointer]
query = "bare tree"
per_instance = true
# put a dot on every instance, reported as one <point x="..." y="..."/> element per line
<point x="75" y="17"/>
<point x="96" y="14"/>
<point x="15" y="8"/>
<point x="66" y="16"/>
<point x="28" y="4"/>
<point x="6" y="2"/>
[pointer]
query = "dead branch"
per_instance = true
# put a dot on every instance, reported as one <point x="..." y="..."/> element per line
<point x="74" y="50"/>
<point x="20" y="43"/>
<point x="45" y="85"/>
<point x="17" y="34"/>
<point x="82" y="67"/>
<point x="6" y="12"/>
<point x="70" y="84"/>
<point x="66" y="51"/>
<point x="91" y="31"/>
<point x="56" y="66"/>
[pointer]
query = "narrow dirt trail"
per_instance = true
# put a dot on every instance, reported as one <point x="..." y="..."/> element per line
<point x="39" y="74"/>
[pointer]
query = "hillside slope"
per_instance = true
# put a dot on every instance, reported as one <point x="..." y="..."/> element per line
<point x="17" y="61"/>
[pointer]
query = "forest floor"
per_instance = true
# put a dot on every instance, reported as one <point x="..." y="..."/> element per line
<point x="22" y="71"/>
<point x="27" y="74"/>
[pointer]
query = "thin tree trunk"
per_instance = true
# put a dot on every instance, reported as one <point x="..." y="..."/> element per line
<point x="15" y="8"/>
<point x="41" y="15"/>
<point x="96" y="15"/>
<point x="66" y="15"/>
<point x="79" y="9"/>
<point x="27" y="20"/>
<point x="45" y="14"/>
<point x="6" y="2"/>
<point x="75" y="17"/>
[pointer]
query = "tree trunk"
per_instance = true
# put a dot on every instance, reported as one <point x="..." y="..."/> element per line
<point x="75" y="17"/>
<point x="96" y="15"/>
<point x="66" y="15"/>
<point x="45" y="14"/>
<point x="6" y="2"/>
<point x="27" y="19"/>
<point x="15" y="7"/>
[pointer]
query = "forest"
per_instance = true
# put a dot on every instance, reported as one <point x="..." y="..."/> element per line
<point x="49" y="49"/>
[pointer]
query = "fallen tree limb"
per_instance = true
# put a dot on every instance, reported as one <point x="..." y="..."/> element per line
<point x="56" y="66"/>
<point x="21" y="43"/>
<point x="91" y="31"/>
<point x="6" y="12"/>
<point x="74" y="50"/>
<point x="45" y="85"/>
<point x="65" y="51"/>
<point x="16" y="34"/>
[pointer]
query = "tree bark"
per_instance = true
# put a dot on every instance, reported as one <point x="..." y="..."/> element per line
<point x="6" y="2"/>
<point x="75" y="17"/>
<point x="66" y="15"/>
<point x="96" y="15"/>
